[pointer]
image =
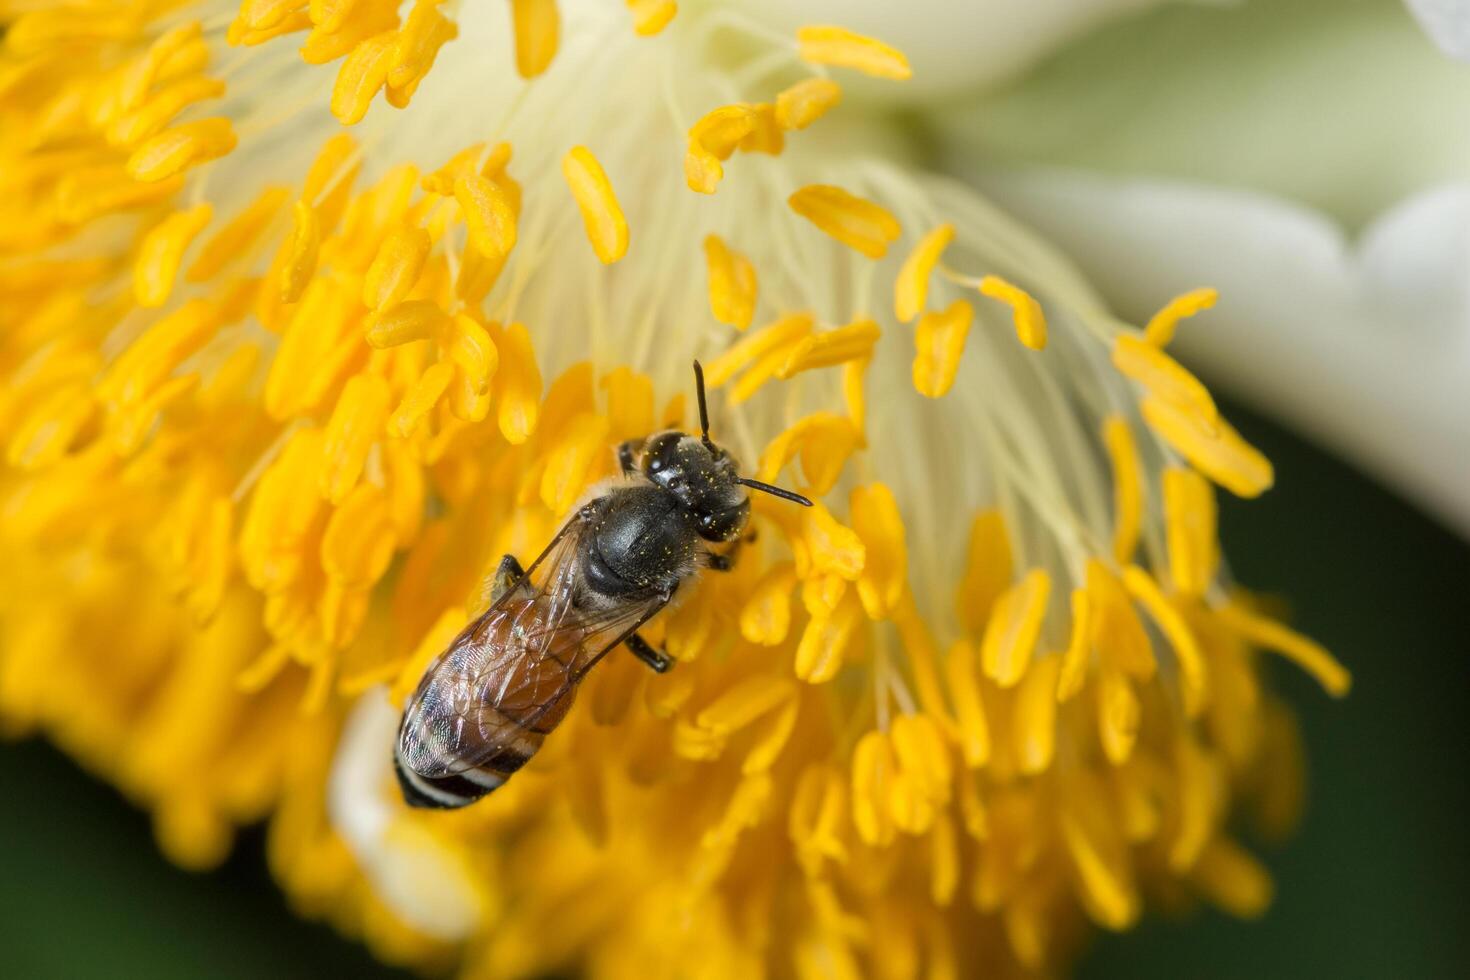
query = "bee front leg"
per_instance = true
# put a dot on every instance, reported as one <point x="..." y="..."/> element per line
<point x="506" y="575"/>
<point x="657" y="660"/>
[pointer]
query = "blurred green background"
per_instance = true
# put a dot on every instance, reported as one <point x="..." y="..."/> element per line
<point x="1374" y="885"/>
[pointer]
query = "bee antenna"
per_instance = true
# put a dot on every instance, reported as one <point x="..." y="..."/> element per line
<point x="795" y="498"/>
<point x="703" y="409"/>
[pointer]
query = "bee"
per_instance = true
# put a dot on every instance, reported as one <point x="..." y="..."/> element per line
<point x="488" y="702"/>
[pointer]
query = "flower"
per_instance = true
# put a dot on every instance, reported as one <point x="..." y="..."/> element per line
<point x="294" y="354"/>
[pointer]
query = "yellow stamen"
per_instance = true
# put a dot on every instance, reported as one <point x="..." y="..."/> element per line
<point x="766" y="135"/>
<point x="151" y="358"/>
<point x="1189" y="526"/>
<point x="1118" y="632"/>
<point x="988" y="570"/>
<point x="472" y="350"/>
<point x="829" y="348"/>
<point x="358" y="543"/>
<point x="818" y="817"/>
<point x="1231" y="878"/>
<point x="823" y="440"/>
<point x="258" y="15"/>
<point x="1305" y="653"/>
<point x="396" y="268"/>
<point x="923" y="658"/>
<point x="834" y="548"/>
<point x="152" y="116"/>
<point x="732" y="284"/>
<point x="853" y="221"/>
<point x="179" y="46"/>
<point x="1079" y="647"/>
<point x="161" y="252"/>
<point x="489" y="216"/>
<point x="876" y="521"/>
<point x="720" y="130"/>
<point x="520" y="387"/>
<point x="775" y="336"/>
<point x="607" y="229"/>
<point x="1165" y="378"/>
<point x="963" y="676"/>
<point x="581" y="444"/>
<point x="1220" y="453"/>
<point x="1014" y="627"/>
<point x="873" y="770"/>
<point x="240" y="34"/>
<point x="1034" y="716"/>
<point x="416" y="47"/>
<point x="924" y="776"/>
<point x="807" y="101"/>
<point x="1160" y="329"/>
<point x="1102" y="862"/>
<point x="939" y="340"/>
<point x="462" y="164"/>
<point x="362" y="74"/>
<point x="630" y="409"/>
<point x="264" y="668"/>
<point x="175" y="150"/>
<point x="1198" y="777"/>
<point x="1119" y="715"/>
<point x="370" y="18"/>
<point x="826" y="45"/>
<point x="825" y="641"/>
<point x="1127" y="487"/>
<point x="403" y="323"/>
<point x="739" y="706"/>
<point x="770" y="736"/>
<point x="355" y="425"/>
<point x="765" y="619"/>
<point x="1030" y="321"/>
<point x="537" y="27"/>
<point x="50" y="428"/>
<point x="478" y="274"/>
<point x="702" y="169"/>
<point x="651" y="16"/>
<point x="1192" y="677"/>
<point x="911" y="289"/>
<point x="300" y="252"/>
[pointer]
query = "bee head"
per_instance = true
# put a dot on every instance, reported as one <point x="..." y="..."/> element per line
<point x="704" y="477"/>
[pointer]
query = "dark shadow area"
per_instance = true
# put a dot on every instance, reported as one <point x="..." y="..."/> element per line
<point x="1373" y="886"/>
<point x="84" y="893"/>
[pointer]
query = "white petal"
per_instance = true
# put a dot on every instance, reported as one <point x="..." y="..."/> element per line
<point x="1366" y="347"/>
<point x="1343" y="106"/>
<point x="1447" y="21"/>
<point x="953" y="45"/>
<point x="414" y="871"/>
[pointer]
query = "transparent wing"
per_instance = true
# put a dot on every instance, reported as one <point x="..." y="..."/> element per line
<point x="510" y="676"/>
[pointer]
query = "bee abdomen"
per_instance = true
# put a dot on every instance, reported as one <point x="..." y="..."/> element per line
<point x="463" y="788"/>
<point x="443" y="792"/>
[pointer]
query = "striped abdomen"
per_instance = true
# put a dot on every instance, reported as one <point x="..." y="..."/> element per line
<point x="485" y="707"/>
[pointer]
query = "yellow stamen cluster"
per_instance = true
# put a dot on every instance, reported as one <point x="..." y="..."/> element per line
<point x="263" y="442"/>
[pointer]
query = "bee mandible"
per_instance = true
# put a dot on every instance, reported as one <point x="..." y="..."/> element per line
<point x="487" y="703"/>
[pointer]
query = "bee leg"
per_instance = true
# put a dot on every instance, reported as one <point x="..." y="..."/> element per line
<point x="657" y="660"/>
<point x="627" y="455"/>
<point x="507" y="574"/>
<point x="719" y="563"/>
